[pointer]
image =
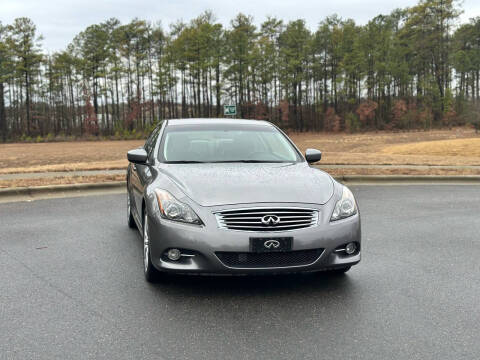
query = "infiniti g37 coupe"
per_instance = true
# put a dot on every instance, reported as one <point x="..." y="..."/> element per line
<point x="227" y="196"/>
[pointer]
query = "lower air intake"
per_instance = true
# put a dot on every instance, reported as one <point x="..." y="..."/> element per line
<point x="269" y="259"/>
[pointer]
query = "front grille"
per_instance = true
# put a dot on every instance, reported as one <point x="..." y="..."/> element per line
<point x="269" y="259"/>
<point x="251" y="219"/>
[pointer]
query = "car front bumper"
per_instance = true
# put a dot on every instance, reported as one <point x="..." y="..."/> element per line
<point x="199" y="245"/>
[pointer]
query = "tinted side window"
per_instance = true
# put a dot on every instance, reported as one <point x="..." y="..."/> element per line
<point x="151" y="141"/>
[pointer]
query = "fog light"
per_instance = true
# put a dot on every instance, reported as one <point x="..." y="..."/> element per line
<point x="173" y="254"/>
<point x="350" y="248"/>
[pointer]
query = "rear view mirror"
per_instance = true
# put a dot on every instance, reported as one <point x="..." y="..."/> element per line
<point x="313" y="155"/>
<point x="137" y="156"/>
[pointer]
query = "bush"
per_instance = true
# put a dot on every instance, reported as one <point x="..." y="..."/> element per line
<point x="400" y="117"/>
<point x="471" y="116"/>
<point x="352" y="123"/>
<point x="366" y="112"/>
<point x="426" y="117"/>
<point x="331" y="121"/>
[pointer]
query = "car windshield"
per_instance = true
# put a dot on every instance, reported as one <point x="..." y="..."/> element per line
<point x="225" y="143"/>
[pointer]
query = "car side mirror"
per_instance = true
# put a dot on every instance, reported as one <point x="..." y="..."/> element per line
<point x="137" y="156"/>
<point x="313" y="155"/>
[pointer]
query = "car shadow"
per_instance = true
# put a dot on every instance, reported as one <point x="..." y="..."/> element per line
<point x="260" y="285"/>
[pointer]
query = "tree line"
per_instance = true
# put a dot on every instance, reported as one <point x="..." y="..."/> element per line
<point x="414" y="68"/>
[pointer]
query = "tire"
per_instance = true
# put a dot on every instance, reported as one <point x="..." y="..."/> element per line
<point x="152" y="275"/>
<point x="130" y="220"/>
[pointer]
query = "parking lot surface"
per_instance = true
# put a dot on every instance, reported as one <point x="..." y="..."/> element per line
<point x="72" y="287"/>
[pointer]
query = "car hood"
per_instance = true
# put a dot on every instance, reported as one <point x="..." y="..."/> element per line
<point x="213" y="184"/>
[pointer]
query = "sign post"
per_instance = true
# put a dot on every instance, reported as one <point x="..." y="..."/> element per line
<point x="230" y="110"/>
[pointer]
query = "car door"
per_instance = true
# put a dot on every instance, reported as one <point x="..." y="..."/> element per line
<point x="141" y="174"/>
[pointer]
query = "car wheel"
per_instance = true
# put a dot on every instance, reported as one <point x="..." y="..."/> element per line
<point x="151" y="274"/>
<point x="130" y="219"/>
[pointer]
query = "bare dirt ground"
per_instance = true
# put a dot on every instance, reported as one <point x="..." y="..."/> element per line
<point x="456" y="148"/>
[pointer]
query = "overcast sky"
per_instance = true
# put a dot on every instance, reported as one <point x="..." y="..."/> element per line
<point x="60" y="20"/>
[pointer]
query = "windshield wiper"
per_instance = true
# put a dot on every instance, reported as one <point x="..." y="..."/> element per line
<point x="184" y="162"/>
<point x="225" y="161"/>
<point x="250" y="161"/>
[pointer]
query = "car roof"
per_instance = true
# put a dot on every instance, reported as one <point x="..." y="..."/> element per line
<point x="219" y="121"/>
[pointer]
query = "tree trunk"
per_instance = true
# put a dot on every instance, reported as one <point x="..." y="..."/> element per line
<point x="3" y="120"/>
<point x="217" y="87"/>
<point x="72" y="101"/>
<point x="117" y="100"/>
<point x="27" y="101"/>
<point x="107" y="114"/>
<point x="478" y="86"/>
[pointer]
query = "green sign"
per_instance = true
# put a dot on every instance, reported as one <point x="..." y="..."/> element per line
<point x="230" y="110"/>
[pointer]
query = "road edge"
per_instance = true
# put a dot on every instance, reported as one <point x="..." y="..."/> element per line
<point x="348" y="179"/>
<point x="64" y="188"/>
<point x="409" y="179"/>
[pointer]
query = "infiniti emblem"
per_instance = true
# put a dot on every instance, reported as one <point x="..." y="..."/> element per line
<point x="270" y="220"/>
<point x="269" y="244"/>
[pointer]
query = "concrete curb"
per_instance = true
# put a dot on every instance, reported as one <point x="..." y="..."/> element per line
<point x="356" y="179"/>
<point x="35" y="190"/>
<point x="410" y="179"/>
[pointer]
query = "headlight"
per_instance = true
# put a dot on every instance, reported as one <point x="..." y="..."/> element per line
<point x="172" y="209"/>
<point x="345" y="207"/>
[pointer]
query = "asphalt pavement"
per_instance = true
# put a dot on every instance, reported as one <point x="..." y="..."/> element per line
<point x="72" y="287"/>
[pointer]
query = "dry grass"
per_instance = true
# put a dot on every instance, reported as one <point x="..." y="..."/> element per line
<point x="460" y="146"/>
<point x="74" y="166"/>
<point x="373" y="141"/>
<point x="64" y="156"/>
<point x="61" y="180"/>
<point x="469" y="147"/>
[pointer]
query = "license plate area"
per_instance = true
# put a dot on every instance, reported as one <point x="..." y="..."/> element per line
<point x="270" y="244"/>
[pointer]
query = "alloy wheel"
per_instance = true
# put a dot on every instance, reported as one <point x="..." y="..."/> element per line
<point x="146" y="246"/>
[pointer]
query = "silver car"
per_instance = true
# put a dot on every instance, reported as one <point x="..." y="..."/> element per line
<point x="228" y="196"/>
